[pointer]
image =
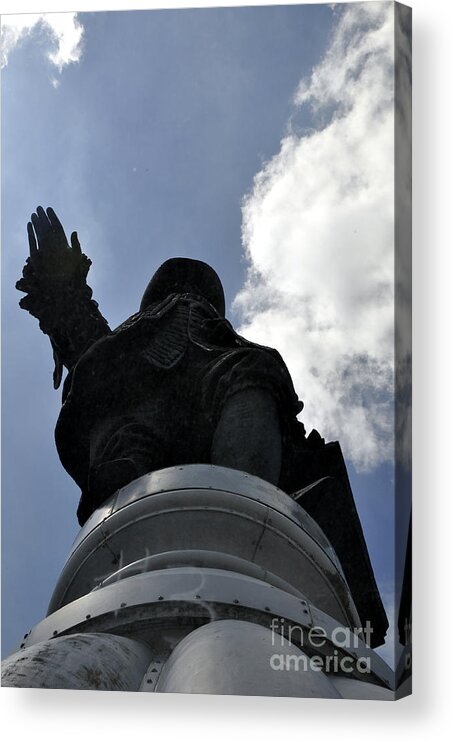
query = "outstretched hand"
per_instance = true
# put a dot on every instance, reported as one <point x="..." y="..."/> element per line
<point x="57" y="294"/>
<point x="49" y="232"/>
<point x="50" y="252"/>
<point x="53" y="263"/>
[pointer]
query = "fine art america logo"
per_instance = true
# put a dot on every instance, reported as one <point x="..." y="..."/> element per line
<point x="336" y="649"/>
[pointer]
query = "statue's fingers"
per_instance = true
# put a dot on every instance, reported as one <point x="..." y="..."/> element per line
<point x="44" y="218"/>
<point x="42" y="227"/>
<point x="75" y="243"/>
<point x="55" y="223"/>
<point x="31" y="239"/>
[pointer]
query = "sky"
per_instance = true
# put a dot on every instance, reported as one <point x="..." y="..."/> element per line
<point x="260" y="140"/>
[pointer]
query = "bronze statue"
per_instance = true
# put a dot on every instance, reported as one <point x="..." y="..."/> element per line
<point x="174" y="384"/>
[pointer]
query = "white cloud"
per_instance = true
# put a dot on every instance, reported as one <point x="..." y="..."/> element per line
<point x="63" y="29"/>
<point x="318" y="232"/>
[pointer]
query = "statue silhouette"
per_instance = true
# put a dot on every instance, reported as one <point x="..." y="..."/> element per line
<point x="174" y="384"/>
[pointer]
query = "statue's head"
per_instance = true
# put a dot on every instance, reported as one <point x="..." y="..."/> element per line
<point x="185" y="276"/>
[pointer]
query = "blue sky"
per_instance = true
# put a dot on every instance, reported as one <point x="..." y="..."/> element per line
<point x="228" y="135"/>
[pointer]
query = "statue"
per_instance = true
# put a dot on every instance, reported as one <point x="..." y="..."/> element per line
<point x="174" y="384"/>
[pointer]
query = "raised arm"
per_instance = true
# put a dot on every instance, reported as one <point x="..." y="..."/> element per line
<point x="54" y="279"/>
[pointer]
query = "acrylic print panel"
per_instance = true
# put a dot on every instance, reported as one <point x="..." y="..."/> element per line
<point x="228" y="539"/>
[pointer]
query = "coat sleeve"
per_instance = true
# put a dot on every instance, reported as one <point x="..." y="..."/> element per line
<point x="66" y="311"/>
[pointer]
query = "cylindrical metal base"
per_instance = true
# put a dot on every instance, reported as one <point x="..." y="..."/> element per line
<point x="79" y="662"/>
<point x="237" y="658"/>
<point x="205" y="508"/>
<point x="184" y="581"/>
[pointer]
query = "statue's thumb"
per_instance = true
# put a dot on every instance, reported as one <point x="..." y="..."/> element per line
<point x="75" y="243"/>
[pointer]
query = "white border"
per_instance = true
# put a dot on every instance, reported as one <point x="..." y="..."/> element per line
<point x="84" y="715"/>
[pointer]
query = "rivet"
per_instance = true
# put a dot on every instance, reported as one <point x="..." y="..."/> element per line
<point x="123" y="605"/>
<point x="235" y="600"/>
<point x="161" y="597"/>
<point x="55" y="633"/>
<point x="88" y="616"/>
<point x="266" y="608"/>
<point x="198" y="596"/>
